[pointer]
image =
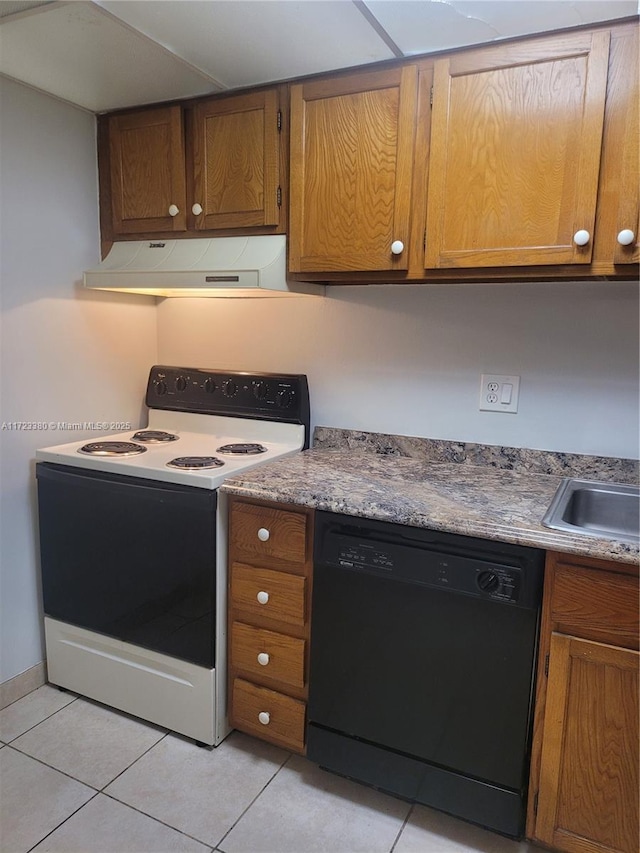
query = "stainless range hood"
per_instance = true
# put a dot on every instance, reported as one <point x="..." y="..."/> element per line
<point x="220" y="266"/>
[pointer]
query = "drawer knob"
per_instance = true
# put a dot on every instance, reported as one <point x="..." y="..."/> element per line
<point x="626" y="237"/>
<point x="262" y="597"/>
<point x="263" y="658"/>
<point x="264" y="717"/>
<point x="581" y="238"/>
<point x="263" y="534"/>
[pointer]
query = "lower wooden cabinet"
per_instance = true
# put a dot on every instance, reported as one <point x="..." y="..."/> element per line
<point x="584" y="775"/>
<point x="270" y="559"/>
<point x="269" y="715"/>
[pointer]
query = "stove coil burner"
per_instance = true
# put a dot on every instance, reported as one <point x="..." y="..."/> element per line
<point x="112" y="448"/>
<point x="154" y="436"/>
<point x="195" y="463"/>
<point x="247" y="449"/>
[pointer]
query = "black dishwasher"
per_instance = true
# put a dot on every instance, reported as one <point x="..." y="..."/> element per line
<point x="423" y="652"/>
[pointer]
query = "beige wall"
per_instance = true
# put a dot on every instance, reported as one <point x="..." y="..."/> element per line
<point x="66" y="355"/>
<point x="408" y="360"/>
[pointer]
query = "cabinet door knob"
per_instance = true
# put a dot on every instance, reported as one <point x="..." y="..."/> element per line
<point x="581" y="238"/>
<point x="262" y="597"/>
<point x="196" y="209"/>
<point x="263" y="658"/>
<point x="264" y="717"/>
<point x="397" y="247"/>
<point x="174" y="210"/>
<point x="263" y="534"/>
<point x="626" y="237"/>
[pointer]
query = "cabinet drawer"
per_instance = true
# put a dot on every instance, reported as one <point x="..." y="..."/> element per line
<point x="283" y="717"/>
<point x="262" y="532"/>
<point x="596" y="605"/>
<point x="285" y="594"/>
<point x="281" y="657"/>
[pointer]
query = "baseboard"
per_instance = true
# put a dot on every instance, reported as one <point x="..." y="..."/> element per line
<point x="18" y="686"/>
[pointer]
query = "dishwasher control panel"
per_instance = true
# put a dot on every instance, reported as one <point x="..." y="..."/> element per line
<point x="455" y="572"/>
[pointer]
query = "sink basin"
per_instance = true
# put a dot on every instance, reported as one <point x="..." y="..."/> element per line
<point x="608" y="510"/>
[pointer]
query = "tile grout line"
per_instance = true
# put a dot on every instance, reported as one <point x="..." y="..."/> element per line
<point x="260" y="792"/>
<point x="43" y="720"/>
<point x="98" y="791"/>
<point x="402" y="828"/>
<point x="156" y="819"/>
<point x="51" y="767"/>
<point x="68" y="817"/>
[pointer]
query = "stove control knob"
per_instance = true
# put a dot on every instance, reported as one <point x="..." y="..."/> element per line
<point x="284" y="398"/>
<point x="260" y="390"/>
<point x="263" y="597"/>
<point x="488" y="581"/>
<point x="263" y="534"/>
<point x="161" y="388"/>
<point x="209" y="385"/>
<point x="229" y="388"/>
<point x="181" y="383"/>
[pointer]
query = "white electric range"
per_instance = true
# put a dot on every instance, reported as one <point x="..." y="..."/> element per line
<point x="133" y="543"/>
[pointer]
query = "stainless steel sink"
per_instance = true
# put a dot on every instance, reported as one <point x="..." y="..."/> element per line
<point x="608" y="510"/>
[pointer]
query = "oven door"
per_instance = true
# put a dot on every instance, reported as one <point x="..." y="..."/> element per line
<point x="130" y="558"/>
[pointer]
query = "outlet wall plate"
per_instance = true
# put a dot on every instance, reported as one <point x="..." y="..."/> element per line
<point x="499" y="393"/>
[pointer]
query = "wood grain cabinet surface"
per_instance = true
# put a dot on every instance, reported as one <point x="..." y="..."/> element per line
<point x="509" y="161"/>
<point x="236" y="164"/>
<point x="515" y="153"/>
<point x="203" y="167"/>
<point x="146" y="175"/>
<point x="584" y="771"/>
<point x="270" y="577"/>
<point x="352" y="161"/>
<point x="618" y="211"/>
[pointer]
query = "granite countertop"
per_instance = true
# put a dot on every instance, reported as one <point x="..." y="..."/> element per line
<point x="492" y="493"/>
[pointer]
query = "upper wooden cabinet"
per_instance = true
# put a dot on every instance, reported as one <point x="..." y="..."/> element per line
<point x="236" y="168"/>
<point x="515" y="153"/>
<point x="517" y="160"/>
<point x="207" y="166"/>
<point x="147" y="177"/>
<point x="617" y="215"/>
<point x="352" y="152"/>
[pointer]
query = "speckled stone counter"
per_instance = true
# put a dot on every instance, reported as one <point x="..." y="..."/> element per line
<point x="500" y="494"/>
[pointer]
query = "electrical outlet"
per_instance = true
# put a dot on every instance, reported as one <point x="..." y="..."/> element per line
<point x="499" y="393"/>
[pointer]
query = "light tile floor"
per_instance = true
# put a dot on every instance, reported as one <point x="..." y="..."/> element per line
<point x="76" y="777"/>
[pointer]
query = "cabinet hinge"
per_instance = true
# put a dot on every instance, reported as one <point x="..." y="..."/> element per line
<point x="535" y="804"/>
<point x="279" y="196"/>
<point x="279" y="121"/>
<point x="431" y="97"/>
<point x="546" y="665"/>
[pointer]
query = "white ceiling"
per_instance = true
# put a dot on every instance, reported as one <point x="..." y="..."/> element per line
<point x="109" y="54"/>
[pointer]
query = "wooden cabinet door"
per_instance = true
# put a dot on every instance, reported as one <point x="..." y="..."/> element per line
<point x="515" y="153"/>
<point x="146" y="153"/>
<point x="618" y="206"/>
<point x="628" y="218"/>
<point x="352" y="141"/>
<point x="588" y="794"/>
<point x="236" y="161"/>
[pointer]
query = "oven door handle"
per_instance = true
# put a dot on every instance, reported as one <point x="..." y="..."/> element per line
<point x="161" y="491"/>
